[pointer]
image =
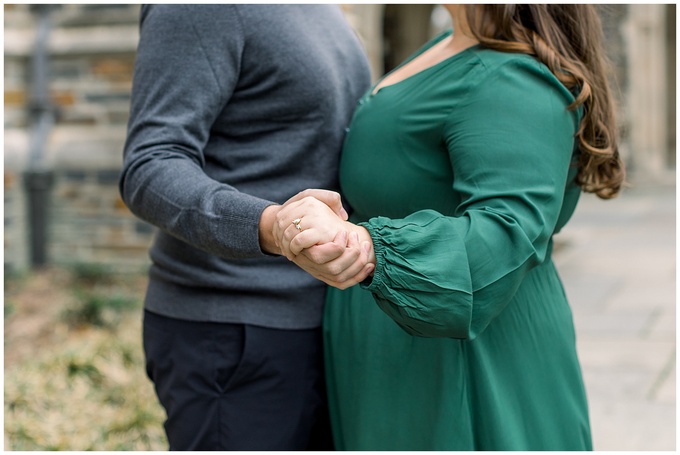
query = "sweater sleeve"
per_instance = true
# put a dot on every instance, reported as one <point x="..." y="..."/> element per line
<point x="187" y="66"/>
<point x="510" y="148"/>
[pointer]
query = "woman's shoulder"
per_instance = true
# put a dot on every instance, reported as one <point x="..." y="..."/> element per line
<point x="516" y="70"/>
<point x="493" y="60"/>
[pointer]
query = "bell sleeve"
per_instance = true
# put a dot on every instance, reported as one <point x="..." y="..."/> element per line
<point x="510" y="144"/>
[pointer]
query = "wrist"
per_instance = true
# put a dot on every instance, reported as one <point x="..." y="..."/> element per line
<point x="266" y="230"/>
<point x="365" y="236"/>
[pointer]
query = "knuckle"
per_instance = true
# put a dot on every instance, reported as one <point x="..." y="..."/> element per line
<point x="315" y="257"/>
<point x="335" y="270"/>
<point x="354" y="254"/>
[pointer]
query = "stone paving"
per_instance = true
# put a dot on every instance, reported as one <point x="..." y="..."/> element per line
<point x="617" y="261"/>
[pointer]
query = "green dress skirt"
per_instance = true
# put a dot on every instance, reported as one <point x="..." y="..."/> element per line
<point x="463" y="339"/>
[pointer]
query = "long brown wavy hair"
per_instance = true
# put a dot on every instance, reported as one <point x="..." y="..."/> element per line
<point x="567" y="38"/>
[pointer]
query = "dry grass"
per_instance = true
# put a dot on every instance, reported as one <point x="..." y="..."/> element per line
<point x="74" y="373"/>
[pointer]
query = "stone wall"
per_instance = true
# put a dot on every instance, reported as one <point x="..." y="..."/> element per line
<point x="92" y="50"/>
<point x="15" y="225"/>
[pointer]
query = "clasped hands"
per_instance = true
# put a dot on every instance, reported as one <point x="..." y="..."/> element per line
<point x="321" y="241"/>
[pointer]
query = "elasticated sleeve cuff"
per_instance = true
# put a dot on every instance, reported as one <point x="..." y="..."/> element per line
<point x="421" y="279"/>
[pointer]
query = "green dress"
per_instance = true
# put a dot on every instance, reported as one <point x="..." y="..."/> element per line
<point x="464" y="339"/>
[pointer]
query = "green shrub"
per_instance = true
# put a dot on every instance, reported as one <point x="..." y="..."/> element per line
<point x="90" y="273"/>
<point x="98" y="308"/>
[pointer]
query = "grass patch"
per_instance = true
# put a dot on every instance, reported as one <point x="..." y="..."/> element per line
<point x="98" y="308"/>
<point x="74" y="366"/>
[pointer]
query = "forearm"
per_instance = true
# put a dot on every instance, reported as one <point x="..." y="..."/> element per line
<point x="175" y="195"/>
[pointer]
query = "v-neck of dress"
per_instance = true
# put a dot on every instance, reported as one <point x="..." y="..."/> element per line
<point x="375" y="89"/>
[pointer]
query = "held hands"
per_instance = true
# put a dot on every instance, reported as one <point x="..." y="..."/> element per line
<point x="311" y="230"/>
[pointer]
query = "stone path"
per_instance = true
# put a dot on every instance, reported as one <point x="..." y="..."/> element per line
<point x="617" y="262"/>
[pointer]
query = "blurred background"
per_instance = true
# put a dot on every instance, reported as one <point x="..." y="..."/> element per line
<point x="75" y="257"/>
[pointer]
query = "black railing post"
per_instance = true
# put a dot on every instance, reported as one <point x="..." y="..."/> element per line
<point x="38" y="179"/>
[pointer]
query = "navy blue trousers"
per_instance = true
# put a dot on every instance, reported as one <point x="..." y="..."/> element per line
<point x="238" y="386"/>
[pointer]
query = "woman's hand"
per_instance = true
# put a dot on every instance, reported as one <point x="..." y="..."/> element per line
<point x="311" y="234"/>
<point x="347" y="269"/>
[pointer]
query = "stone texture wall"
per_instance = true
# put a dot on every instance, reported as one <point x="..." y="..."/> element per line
<point x="649" y="90"/>
<point x="90" y="223"/>
<point x="15" y="224"/>
<point x="92" y="50"/>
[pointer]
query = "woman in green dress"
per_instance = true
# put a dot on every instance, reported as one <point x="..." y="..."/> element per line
<point x="460" y="165"/>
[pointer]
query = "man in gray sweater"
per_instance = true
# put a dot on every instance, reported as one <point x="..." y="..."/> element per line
<point x="235" y="109"/>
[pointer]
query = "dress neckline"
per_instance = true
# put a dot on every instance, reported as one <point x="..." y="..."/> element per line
<point x="373" y="92"/>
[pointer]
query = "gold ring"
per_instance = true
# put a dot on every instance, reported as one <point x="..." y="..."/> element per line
<point x="296" y="223"/>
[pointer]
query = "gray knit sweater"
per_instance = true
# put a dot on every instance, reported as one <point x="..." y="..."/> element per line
<point x="234" y="108"/>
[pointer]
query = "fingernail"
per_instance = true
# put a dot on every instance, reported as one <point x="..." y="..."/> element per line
<point x="367" y="247"/>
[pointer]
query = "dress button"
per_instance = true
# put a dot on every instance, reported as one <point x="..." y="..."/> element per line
<point x="346" y="130"/>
